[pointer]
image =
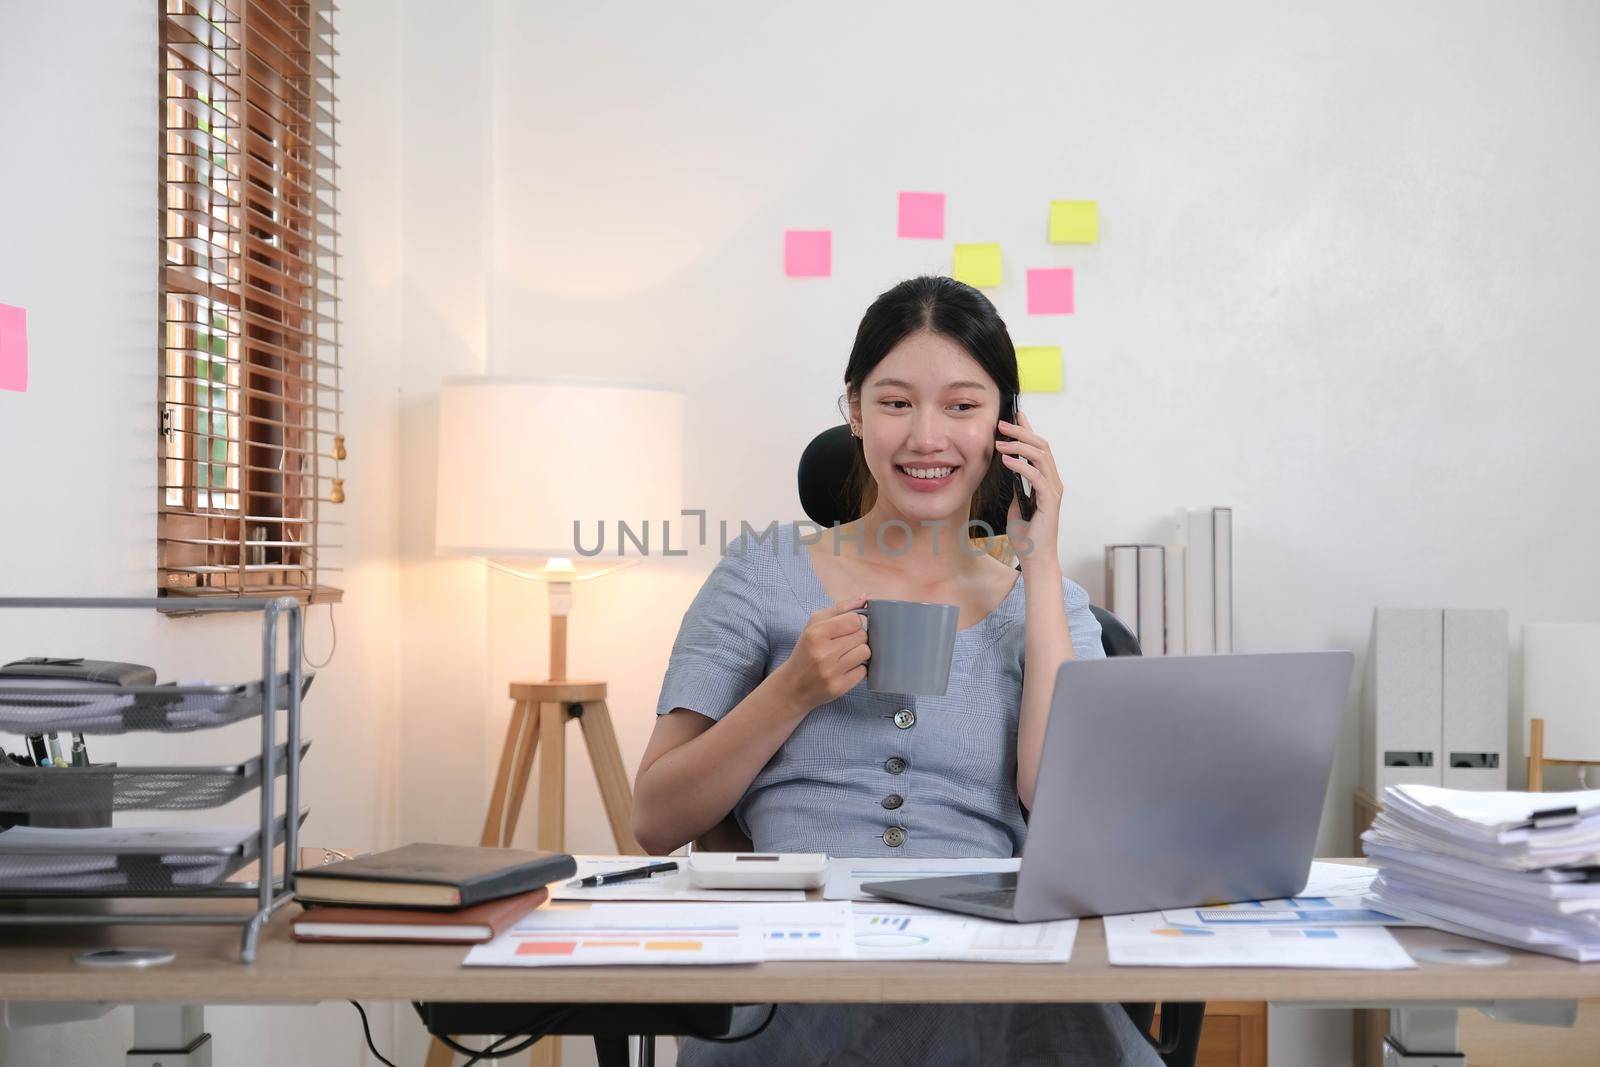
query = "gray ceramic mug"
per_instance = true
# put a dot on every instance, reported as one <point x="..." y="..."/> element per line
<point x="912" y="644"/>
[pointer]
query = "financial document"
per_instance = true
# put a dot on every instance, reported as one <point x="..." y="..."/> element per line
<point x="1291" y="911"/>
<point x="887" y="931"/>
<point x="657" y="933"/>
<point x="1148" y="939"/>
<point x="569" y="936"/>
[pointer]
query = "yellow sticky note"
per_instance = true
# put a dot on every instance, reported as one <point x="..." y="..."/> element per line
<point x="977" y="265"/>
<point x="1040" y="368"/>
<point x="1074" y="222"/>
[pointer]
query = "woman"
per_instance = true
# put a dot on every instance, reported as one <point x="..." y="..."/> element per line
<point x="763" y="716"/>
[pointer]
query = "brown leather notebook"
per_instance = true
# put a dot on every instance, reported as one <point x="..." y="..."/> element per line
<point x="481" y="922"/>
<point x="431" y="876"/>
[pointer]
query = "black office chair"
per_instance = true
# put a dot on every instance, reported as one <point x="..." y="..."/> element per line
<point x="826" y="497"/>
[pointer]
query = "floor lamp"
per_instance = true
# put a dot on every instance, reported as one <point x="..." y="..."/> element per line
<point x="539" y="479"/>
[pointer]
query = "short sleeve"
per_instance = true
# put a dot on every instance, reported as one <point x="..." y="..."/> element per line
<point x="721" y="651"/>
<point x="1085" y="628"/>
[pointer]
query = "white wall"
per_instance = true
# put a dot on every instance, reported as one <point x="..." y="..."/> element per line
<point x="78" y="249"/>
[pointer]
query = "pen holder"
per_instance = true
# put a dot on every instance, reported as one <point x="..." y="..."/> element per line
<point x="56" y="797"/>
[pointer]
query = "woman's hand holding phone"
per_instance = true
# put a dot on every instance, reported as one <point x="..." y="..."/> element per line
<point x="830" y="659"/>
<point x="1028" y="455"/>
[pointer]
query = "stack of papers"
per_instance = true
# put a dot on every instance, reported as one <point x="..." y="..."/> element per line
<point x="1520" y="869"/>
<point x="677" y="933"/>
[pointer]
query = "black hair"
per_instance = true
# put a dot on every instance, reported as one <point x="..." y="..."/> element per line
<point x="950" y="309"/>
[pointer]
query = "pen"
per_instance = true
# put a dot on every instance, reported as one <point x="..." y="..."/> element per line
<point x="623" y="876"/>
<point x="53" y="741"/>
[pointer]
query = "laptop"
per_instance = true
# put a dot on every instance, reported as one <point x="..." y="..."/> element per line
<point x="1167" y="782"/>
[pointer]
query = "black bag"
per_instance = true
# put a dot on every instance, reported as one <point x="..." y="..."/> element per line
<point x="103" y="672"/>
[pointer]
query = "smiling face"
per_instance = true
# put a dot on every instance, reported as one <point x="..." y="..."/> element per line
<point x="928" y="413"/>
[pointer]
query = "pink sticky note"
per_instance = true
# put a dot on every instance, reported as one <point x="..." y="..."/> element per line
<point x="13" y="348"/>
<point x="1050" y="291"/>
<point x="921" y="214"/>
<point x="808" y="253"/>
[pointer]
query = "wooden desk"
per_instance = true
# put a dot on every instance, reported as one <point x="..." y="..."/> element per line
<point x="37" y="966"/>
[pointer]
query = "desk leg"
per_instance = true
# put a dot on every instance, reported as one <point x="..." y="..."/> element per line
<point x="1423" y="1037"/>
<point x="169" y="1035"/>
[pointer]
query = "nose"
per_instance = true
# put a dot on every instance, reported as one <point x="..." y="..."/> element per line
<point x="928" y="430"/>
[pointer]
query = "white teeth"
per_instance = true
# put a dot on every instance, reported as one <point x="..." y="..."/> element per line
<point x="928" y="472"/>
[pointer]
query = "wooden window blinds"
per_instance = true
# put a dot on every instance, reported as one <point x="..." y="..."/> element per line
<point x="250" y="400"/>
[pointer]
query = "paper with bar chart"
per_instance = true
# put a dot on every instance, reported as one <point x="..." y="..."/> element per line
<point x="567" y="936"/>
<point x="816" y="930"/>
<point x="1148" y="940"/>
<point x="903" y="932"/>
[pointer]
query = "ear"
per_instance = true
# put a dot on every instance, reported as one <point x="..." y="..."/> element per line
<point x="853" y="407"/>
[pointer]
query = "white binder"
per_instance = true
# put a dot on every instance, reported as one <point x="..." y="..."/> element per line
<point x="1476" y="724"/>
<point x="1403" y="699"/>
<point x="1194" y="527"/>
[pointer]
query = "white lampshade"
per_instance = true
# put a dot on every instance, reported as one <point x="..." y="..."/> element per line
<point x="1561" y="685"/>
<point x="520" y="460"/>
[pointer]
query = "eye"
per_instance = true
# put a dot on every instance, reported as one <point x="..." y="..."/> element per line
<point x="887" y="403"/>
<point x="964" y="404"/>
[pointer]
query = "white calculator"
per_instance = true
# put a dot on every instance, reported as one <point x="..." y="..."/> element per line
<point x="757" y="870"/>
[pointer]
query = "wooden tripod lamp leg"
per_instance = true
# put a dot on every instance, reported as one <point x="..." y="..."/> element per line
<point x="517" y="734"/>
<point x="522" y="769"/>
<point x="552" y="776"/>
<point x="1535" y="755"/>
<point x="439" y="1055"/>
<point x="552" y="824"/>
<point x="606" y="757"/>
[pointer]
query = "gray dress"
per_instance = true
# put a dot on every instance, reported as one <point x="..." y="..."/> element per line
<point x="878" y="774"/>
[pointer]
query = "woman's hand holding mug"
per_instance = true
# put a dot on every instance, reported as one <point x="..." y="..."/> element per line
<point x="830" y="659"/>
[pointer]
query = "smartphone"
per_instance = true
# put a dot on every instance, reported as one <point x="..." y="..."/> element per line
<point x="1026" y="504"/>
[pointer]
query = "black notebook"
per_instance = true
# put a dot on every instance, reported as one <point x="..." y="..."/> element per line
<point x="432" y="876"/>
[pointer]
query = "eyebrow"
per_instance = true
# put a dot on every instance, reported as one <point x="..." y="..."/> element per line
<point x="886" y="382"/>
